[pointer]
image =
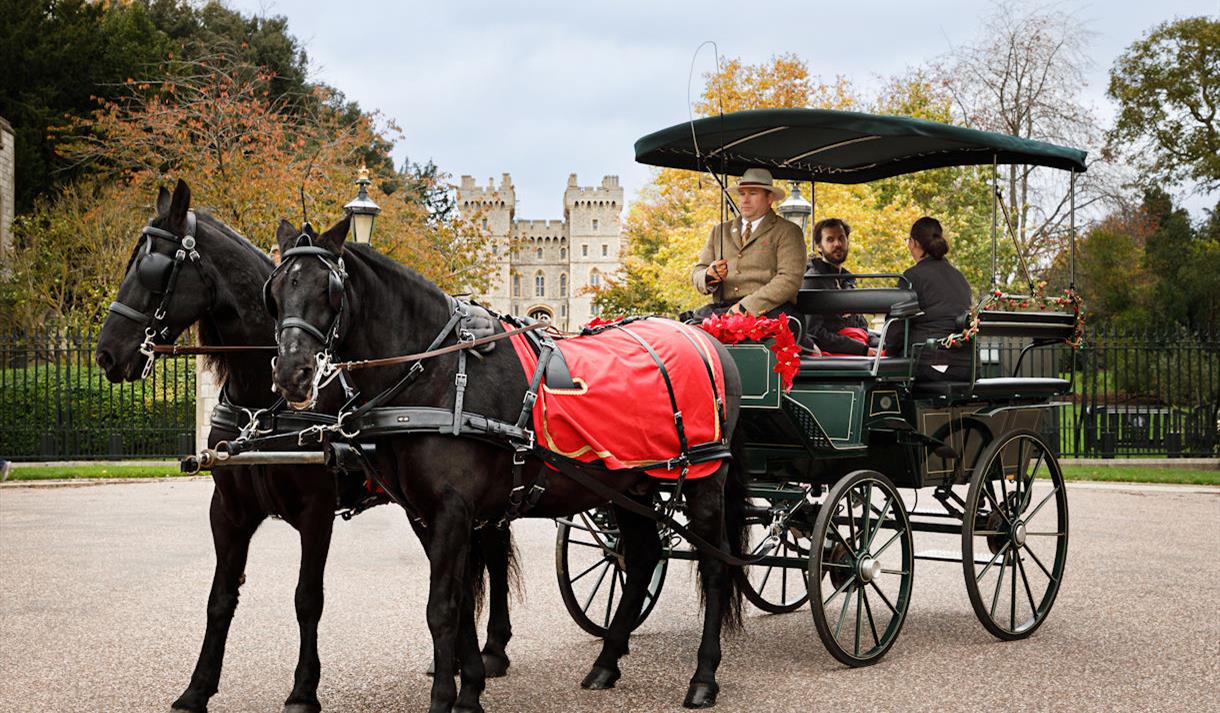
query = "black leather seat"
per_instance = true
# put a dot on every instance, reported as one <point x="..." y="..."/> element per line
<point x="998" y="388"/>
<point x="816" y="367"/>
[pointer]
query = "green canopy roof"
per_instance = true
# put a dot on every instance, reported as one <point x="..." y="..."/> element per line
<point x="838" y="146"/>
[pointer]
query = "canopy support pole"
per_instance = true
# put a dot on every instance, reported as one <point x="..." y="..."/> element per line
<point x="1072" y="229"/>
<point x="995" y="197"/>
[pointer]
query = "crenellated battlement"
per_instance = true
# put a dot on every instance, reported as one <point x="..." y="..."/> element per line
<point x="471" y="196"/>
<point x="608" y="195"/>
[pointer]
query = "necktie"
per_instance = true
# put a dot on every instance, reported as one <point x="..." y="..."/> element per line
<point x="745" y="234"/>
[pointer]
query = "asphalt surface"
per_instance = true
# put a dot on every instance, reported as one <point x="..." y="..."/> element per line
<point x="102" y="594"/>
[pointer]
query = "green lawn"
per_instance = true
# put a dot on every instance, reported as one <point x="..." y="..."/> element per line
<point x="1136" y="474"/>
<point x="26" y="472"/>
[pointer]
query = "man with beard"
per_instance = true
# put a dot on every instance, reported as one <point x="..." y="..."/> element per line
<point x="831" y="240"/>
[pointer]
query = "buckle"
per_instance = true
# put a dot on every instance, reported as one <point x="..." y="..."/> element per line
<point x="460" y="380"/>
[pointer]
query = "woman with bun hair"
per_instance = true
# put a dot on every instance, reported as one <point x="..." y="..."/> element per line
<point x="944" y="295"/>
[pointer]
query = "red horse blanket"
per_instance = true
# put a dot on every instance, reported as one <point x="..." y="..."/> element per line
<point x="620" y="412"/>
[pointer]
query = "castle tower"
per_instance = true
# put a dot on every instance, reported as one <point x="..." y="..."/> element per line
<point x="592" y="215"/>
<point x="493" y="208"/>
<point x="554" y="260"/>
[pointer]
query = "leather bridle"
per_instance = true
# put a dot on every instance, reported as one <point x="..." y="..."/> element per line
<point x="158" y="273"/>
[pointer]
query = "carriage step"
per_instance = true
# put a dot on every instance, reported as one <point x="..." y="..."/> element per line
<point x="945" y="556"/>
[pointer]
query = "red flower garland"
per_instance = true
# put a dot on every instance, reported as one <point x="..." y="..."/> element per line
<point x="745" y="327"/>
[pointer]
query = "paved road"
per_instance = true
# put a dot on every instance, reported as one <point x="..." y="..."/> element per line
<point x="102" y="593"/>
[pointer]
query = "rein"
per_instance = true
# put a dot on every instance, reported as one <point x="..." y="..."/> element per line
<point x="420" y="356"/>
<point x="176" y="349"/>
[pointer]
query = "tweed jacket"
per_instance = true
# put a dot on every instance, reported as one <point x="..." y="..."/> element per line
<point x="764" y="273"/>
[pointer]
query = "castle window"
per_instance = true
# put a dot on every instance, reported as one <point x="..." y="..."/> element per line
<point x="563" y="310"/>
<point x="484" y="224"/>
<point x="540" y="284"/>
<point x="563" y="253"/>
<point x="595" y="223"/>
<point x="495" y="249"/>
<point x="563" y="284"/>
<point x="538" y="253"/>
<point x="516" y="285"/>
<point x="595" y="278"/>
<point x="584" y="251"/>
<point x="604" y="250"/>
<point x="597" y="309"/>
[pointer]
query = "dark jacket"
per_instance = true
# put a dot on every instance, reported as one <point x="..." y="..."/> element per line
<point x="824" y="328"/>
<point x="944" y="295"/>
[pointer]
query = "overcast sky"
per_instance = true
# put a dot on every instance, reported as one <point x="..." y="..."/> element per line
<point x="541" y="90"/>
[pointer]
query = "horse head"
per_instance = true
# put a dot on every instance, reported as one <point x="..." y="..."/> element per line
<point x="307" y="295"/>
<point x="164" y="290"/>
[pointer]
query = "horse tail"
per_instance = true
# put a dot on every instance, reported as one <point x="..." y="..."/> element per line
<point x="735" y="530"/>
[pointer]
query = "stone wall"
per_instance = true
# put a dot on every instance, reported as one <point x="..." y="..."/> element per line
<point x="8" y="186"/>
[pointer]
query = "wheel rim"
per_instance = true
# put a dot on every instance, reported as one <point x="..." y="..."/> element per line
<point x="589" y="565"/>
<point x="1017" y="522"/>
<point x="861" y="569"/>
<point x="777" y="588"/>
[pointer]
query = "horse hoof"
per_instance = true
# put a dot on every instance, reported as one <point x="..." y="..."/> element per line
<point x="701" y="695"/>
<point x="302" y="708"/>
<point x="476" y="708"/>
<point x="181" y="706"/>
<point x="600" y="678"/>
<point x="495" y="666"/>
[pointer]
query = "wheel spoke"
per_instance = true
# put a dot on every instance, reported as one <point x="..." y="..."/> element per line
<point x="763" y="584"/>
<point x="590" y="544"/>
<point x="1045" y="534"/>
<point x="589" y="599"/>
<point x="851" y="519"/>
<point x="859" y="599"/>
<point x="982" y="574"/>
<point x="842" y="614"/>
<point x="1048" y="497"/>
<point x="1012" y="597"/>
<point x="1033" y="475"/>
<point x="986" y="485"/>
<point x="995" y="597"/>
<point x="1033" y="608"/>
<point x="901" y="572"/>
<point x="888" y="543"/>
<point x="1041" y="566"/>
<point x="884" y="511"/>
<point x="883" y="597"/>
<point x="988" y="533"/>
<point x="868" y="506"/>
<point x="838" y="591"/>
<point x="592" y="567"/>
<point x="872" y="625"/>
<point x="783" y="585"/>
<point x="610" y="601"/>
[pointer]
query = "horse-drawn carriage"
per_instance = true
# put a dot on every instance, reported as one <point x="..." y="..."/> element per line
<point x="815" y="468"/>
<point x="826" y="459"/>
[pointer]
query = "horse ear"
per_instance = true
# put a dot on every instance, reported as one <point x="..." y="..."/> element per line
<point x="162" y="201"/>
<point x="286" y="235"/>
<point x="180" y="203"/>
<point x="334" y="237"/>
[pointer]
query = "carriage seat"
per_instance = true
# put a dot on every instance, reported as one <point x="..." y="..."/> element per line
<point x="853" y="366"/>
<point x="993" y="389"/>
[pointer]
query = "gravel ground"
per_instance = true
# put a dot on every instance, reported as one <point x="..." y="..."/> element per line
<point x="102" y="594"/>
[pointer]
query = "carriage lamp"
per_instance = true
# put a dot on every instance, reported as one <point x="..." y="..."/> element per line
<point x="796" y="208"/>
<point x="362" y="209"/>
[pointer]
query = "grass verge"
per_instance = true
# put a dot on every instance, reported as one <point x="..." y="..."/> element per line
<point x="26" y="472"/>
<point x="1136" y="474"/>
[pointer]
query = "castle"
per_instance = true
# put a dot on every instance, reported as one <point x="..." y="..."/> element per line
<point x="556" y="260"/>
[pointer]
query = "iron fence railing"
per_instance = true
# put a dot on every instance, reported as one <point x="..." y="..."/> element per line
<point x="56" y="403"/>
<point x="1149" y="393"/>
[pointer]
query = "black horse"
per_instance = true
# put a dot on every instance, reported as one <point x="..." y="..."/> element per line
<point x="385" y="309"/>
<point x="219" y="288"/>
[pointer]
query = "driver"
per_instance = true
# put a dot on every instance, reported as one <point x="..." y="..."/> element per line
<point x="755" y="262"/>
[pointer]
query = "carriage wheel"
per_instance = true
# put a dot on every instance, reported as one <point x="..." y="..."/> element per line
<point x="1017" y="521"/>
<point x="589" y="563"/>
<point x="774" y="588"/>
<point x="861" y="568"/>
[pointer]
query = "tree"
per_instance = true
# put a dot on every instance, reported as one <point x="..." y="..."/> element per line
<point x="1167" y="87"/>
<point x="1023" y="77"/>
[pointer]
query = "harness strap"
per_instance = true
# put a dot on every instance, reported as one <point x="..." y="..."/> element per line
<point x="707" y="365"/>
<point x="134" y="315"/>
<point x="669" y="388"/>
<point x="459" y="385"/>
<point x="298" y="323"/>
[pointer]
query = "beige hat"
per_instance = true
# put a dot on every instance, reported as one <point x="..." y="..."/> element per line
<point x="760" y="178"/>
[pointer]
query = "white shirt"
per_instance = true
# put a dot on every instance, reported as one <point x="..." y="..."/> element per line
<point x="752" y="223"/>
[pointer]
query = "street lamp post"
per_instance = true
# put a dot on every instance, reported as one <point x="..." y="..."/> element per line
<point x="796" y="208"/>
<point x="363" y="210"/>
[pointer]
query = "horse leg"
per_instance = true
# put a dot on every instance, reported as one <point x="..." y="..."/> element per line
<point x="449" y="558"/>
<point x="706" y="509"/>
<point x="641" y="552"/>
<point x="315" y="526"/>
<point x="497" y="547"/>
<point x="232" y="543"/>
<point x="473" y="675"/>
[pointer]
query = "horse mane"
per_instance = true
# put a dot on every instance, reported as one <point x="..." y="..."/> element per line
<point x="387" y="268"/>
